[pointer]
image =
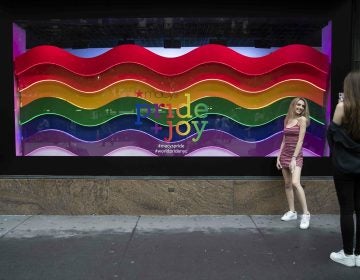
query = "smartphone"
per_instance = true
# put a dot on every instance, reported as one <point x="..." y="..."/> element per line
<point x="341" y="96"/>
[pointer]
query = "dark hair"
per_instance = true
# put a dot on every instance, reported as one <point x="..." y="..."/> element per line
<point x="351" y="118"/>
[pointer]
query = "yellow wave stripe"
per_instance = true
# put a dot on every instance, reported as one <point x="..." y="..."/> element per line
<point x="204" y="89"/>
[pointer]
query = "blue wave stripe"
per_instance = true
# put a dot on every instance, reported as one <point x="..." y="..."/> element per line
<point x="94" y="133"/>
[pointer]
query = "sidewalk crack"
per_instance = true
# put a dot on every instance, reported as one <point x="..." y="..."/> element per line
<point x="127" y="246"/>
<point x="16" y="226"/>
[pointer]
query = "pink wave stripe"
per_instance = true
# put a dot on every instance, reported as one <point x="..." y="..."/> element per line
<point x="211" y="151"/>
<point x="171" y="66"/>
<point x="51" y="151"/>
<point x="306" y="153"/>
<point x="130" y="151"/>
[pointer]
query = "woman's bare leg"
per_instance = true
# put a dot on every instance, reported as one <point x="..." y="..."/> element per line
<point x="288" y="188"/>
<point x="299" y="189"/>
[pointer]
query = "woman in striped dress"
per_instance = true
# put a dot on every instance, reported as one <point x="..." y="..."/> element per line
<point x="290" y="158"/>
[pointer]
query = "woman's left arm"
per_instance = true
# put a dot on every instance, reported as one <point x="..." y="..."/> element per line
<point x="302" y="124"/>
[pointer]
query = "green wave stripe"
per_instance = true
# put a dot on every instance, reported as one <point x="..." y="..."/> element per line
<point x="127" y="105"/>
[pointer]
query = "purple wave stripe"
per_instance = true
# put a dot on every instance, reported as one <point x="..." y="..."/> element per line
<point x="135" y="151"/>
<point x="56" y="151"/>
<point x="145" y="141"/>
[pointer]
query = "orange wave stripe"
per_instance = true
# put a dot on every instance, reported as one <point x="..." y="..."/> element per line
<point x="210" y="71"/>
<point x="203" y="89"/>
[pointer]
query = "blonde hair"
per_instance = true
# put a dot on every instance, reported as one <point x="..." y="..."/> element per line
<point x="351" y="118"/>
<point x="291" y="112"/>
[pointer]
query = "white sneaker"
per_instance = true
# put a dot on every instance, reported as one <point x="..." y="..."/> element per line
<point x="305" y="221"/>
<point x="340" y="257"/>
<point x="289" y="215"/>
<point x="357" y="260"/>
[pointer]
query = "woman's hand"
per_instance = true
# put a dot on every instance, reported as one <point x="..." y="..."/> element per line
<point x="292" y="164"/>
<point x="278" y="164"/>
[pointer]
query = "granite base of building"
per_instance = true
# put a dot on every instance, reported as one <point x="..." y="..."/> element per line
<point x="151" y="196"/>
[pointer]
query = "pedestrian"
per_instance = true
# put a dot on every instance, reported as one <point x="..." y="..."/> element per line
<point x="290" y="158"/>
<point x="343" y="136"/>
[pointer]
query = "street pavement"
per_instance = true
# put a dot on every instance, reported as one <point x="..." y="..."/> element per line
<point x="169" y="248"/>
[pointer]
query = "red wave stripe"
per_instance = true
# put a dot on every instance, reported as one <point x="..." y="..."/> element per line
<point x="210" y="71"/>
<point x="171" y="66"/>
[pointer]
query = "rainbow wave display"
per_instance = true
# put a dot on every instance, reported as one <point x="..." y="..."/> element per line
<point x="129" y="101"/>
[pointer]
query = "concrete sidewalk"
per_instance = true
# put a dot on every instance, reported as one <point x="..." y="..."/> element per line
<point x="169" y="248"/>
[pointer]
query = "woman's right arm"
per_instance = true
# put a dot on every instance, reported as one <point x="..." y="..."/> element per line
<point x="278" y="164"/>
<point x="339" y="113"/>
